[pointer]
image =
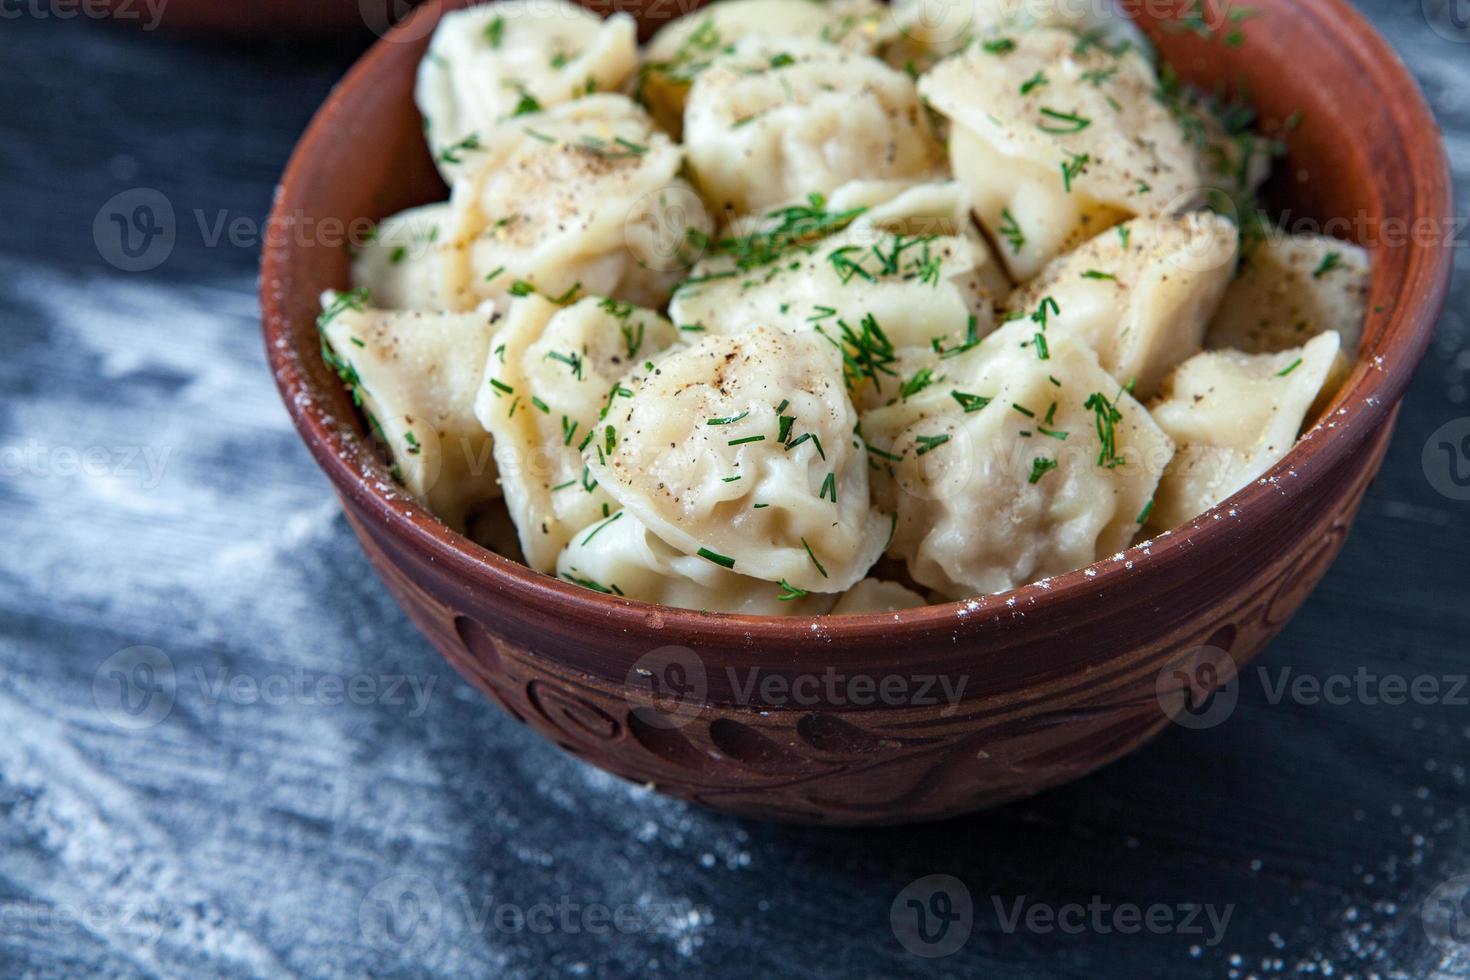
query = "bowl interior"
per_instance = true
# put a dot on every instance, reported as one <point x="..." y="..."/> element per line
<point x="1365" y="159"/>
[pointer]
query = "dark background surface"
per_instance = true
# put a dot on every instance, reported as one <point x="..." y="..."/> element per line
<point x="152" y="493"/>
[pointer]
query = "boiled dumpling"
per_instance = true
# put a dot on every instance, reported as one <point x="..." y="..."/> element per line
<point x="403" y="264"/>
<point x="873" y="595"/>
<point x="939" y="207"/>
<point x="416" y="376"/>
<point x="762" y="130"/>
<point x="910" y="290"/>
<point x="1079" y="144"/>
<point x="618" y="555"/>
<point x="1235" y="161"/>
<point x="930" y="30"/>
<point x="1022" y="462"/>
<point x="573" y="201"/>
<point x="740" y="450"/>
<point x="563" y="206"/>
<point x="886" y="329"/>
<point x="1233" y="416"/>
<point x="1140" y="294"/>
<point x="500" y="60"/>
<point x="683" y="49"/>
<point x="1291" y="288"/>
<point x="551" y="375"/>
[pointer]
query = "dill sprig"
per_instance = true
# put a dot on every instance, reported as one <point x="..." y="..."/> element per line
<point x="795" y="226"/>
<point x="724" y="561"/>
<point x="1106" y="417"/>
<point x="1062" y="123"/>
<point x="866" y="352"/>
<point x="1011" y="231"/>
<point x="970" y="403"/>
<point x="927" y="444"/>
<point x="453" y="153"/>
<point x="1073" y="167"/>
<point x="790" y="592"/>
<point x="1333" y="260"/>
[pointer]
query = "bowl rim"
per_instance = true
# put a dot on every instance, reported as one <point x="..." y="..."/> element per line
<point x="1364" y="404"/>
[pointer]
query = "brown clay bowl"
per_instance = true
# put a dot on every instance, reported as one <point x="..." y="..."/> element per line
<point x="1057" y="681"/>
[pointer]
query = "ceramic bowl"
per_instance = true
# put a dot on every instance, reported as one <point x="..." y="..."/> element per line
<point x="937" y="711"/>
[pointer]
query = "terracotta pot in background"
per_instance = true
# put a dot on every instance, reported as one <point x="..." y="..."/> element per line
<point x="259" y="18"/>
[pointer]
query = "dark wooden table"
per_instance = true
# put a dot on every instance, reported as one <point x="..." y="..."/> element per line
<point x="304" y="788"/>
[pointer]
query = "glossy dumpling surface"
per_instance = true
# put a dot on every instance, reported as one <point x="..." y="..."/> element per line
<point x="873" y="595"/>
<point x="569" y="204"/>
<point x="574" y="201"/>
<point x="1011" y="467"/>
<point x="925" y="31"/>
<point x="1291" y="288"/>
<point x="763" y="129"/>
<point x="741" y="450"/>
<point x="620" y="556"/>
<point x="1058" y="139"/>
<point x="683" y="49"/>
<point x="1233" y="416"/>
<point x="496" y="61"/>
<point x="416" y="376"/>
<point x="916" y="288"/>
<point x="1140" y="294"/>
<point x="403" y="266"/>
<point x="551" y="374"/>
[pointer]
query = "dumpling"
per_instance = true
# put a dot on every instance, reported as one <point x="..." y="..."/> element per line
<point x="1233" y="416"/>
<point x="1078" y="144"/>
<point x="562" y="206"/>
<point x="762" y="130"/>
<point x="402" y="266"/>
<point x="740" y="450"/>
<point x="913" y="290"/>
<point x="930" y="30"/>
<point x="1291" y="288"/>
<point x="1141" y="294"/>
<point x="492" y="62"/>
<point x="551" y="374"/>
<point x="574" y="201"/>
<point x="1235" y="160"/>
<point x="415" y="376"/>
<point x="938" y="207"/>
<point x="873" y="595"/>
<point x="683" y="49"/>
<point x="620" y="556"/>
<point x="1023" y="462"/>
